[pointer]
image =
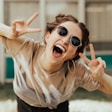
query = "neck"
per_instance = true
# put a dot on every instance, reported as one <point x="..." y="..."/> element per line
<point x="47" y="66"/>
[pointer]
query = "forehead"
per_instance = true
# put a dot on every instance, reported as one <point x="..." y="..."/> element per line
<point x="73" y="28"/>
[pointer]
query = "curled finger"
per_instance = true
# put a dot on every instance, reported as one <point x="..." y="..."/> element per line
<point x="102" y="62"/>
<point x="14" y="29"/>
<point x="18" y="22"/>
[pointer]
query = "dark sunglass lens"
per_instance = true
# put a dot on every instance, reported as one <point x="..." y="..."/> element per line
<point x="75" y="41"/>
<point x="62" y="31"/>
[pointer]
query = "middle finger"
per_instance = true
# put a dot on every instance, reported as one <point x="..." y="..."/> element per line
<point x="92" y="52"/>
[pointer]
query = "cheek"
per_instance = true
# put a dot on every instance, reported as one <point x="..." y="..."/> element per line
<point x="52" y="37"/>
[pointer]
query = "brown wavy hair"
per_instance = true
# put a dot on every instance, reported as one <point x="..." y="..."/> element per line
<point x="60" y="18"/>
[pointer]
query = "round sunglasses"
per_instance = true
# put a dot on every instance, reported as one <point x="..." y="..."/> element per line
<point x="75" y="41"/>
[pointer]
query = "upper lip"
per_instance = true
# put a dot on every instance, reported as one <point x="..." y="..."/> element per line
<point x="61" y="47"/>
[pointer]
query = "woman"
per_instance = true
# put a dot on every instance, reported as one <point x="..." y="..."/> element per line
<point x="47" y="73"/>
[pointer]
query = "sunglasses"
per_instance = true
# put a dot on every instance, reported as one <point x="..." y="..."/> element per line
<point x="75" y="41"/>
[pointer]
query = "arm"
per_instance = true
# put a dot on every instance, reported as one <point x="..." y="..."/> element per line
<point x="5" y="31"/>
<point x="106" y="82"/>
<point x="96" y="68"/>
<point x="18" y="28"/>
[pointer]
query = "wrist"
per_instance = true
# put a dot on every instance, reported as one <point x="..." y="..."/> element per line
<point x="102" y="77"/>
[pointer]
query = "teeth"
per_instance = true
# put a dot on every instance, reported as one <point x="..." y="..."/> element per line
<point x="61" y="48"/>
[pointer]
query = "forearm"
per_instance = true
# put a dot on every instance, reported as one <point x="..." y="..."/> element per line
<point x="106" y="81"/>
<point x="6" y="31"/>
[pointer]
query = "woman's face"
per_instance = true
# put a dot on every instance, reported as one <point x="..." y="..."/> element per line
<point x="59" y="47"/>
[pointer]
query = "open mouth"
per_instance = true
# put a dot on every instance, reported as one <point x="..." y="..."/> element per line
<point x="58" y="51"/>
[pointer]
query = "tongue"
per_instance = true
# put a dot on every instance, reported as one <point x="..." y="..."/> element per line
<point x="56" y="54"/>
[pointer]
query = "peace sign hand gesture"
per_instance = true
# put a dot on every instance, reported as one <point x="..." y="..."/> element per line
<point x="20" y="27"/>
<point x="96" y="65"/>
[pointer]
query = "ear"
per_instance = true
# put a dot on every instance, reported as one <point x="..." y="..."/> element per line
<point x="46" y="36"/>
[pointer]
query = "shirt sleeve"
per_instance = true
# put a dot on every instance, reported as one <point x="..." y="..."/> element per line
<point x="13" y="46"/>
<point x="87" y="81"/>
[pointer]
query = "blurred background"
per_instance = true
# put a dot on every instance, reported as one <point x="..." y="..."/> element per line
<point x="96" y="14"/>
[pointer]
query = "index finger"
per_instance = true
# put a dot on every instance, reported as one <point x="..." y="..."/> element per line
<point x="84" y="58"/>
<point x="29" y="21"/>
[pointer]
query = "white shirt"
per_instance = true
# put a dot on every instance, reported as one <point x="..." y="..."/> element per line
<point x="36" y="87"/>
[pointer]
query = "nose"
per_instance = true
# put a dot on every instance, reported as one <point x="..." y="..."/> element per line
<point x="66" y="40"/>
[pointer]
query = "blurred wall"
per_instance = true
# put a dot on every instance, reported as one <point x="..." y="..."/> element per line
<point x="97" y="16"/>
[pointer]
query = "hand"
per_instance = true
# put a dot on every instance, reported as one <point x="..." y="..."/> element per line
<point x="96" y="65"/>
<point x="20" y="27"/>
